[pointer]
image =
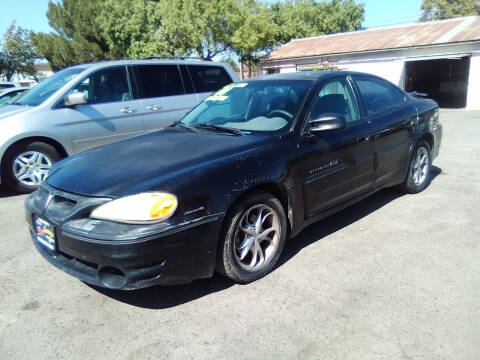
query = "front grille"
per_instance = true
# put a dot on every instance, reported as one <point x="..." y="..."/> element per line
<point x="60" y="206"/>
<point x="84" y="262"/>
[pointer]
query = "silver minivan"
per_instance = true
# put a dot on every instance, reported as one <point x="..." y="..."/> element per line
<point x="88" y="105"/>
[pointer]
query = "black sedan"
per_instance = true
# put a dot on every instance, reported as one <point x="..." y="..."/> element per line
<point x="226" y="186"/>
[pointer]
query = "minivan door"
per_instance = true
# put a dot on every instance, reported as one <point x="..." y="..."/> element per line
<point x="162" y="95"/>
<point x="110" y="113"/>
<point x="337" y="164"/>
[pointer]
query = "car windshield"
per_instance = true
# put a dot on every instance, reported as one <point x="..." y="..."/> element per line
<point x="46" y="88"/>
<point x="266" y="105"/>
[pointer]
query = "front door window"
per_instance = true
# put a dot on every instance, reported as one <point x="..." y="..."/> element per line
<point x="105" y="86"/>
<point x="336" y="97"/>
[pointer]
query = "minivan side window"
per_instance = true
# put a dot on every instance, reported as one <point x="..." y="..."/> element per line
<point x="378" y="95"/>
<point x="187" y="80"/>
<point x="208" y="78"/>
<point x="104" y="86"/>
<point x="159" y="80"/>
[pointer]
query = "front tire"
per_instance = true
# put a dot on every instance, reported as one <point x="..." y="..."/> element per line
<point x="26" y="165"/>
<point x="419" y="170"/>
<point x="252" y="238"/>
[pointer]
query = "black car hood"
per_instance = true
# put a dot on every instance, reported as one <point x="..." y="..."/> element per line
<point x="144" y="162"/>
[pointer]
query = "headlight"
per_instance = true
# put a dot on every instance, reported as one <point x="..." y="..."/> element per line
<point x="142" y="208"/>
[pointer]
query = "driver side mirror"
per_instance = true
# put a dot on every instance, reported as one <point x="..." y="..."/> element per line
<point x="75" y="99"/>
<point x="327" y="122"/>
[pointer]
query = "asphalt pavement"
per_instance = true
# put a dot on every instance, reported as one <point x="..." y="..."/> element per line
<point x="393" y="277"/>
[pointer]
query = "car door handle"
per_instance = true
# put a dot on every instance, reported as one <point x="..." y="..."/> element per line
<point x="128" y="110"/>
<point x="153" y="107"/>
<point x="363" y="139"/>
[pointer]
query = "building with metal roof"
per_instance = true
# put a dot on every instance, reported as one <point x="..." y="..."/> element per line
<point x="439" y="58"/>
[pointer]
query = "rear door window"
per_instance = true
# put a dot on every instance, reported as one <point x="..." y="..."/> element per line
<point x="208" y="78"/>
<point x="378" y="95"/>
<point x="159" y="80"/>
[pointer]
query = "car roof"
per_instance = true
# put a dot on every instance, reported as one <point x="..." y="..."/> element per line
<point x="8" y="90"/>
<point x="309" y="75"/>
<point x="158" y="61"/>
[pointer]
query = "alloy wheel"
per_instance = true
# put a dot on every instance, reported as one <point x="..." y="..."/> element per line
<point x="420" y="166"/>
<point x="31" y="167"/>
<point x="256" y="237"/>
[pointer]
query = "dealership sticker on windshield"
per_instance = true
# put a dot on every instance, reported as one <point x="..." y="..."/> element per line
<point x="220" y="94"/>
<point x="217" y="98"/>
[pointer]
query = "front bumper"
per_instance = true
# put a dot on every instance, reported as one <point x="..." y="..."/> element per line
<point x="129" y="259"/>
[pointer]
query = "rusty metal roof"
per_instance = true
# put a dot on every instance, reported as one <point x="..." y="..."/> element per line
<point x="419" y="34"/>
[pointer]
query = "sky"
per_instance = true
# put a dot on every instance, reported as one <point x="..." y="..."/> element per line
<point x="30" y="14"/>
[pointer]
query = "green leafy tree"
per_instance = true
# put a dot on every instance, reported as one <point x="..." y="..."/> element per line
<point x="17" y="55"/>
<point x="259" y="28"/>
<point x="254" y="32"/>
<point x="302" y="18"/>
<point x="198" y="28"/>
<point x="78" y="38"/>
<point x="130" y="26"/>
<point x="446" y="9"/>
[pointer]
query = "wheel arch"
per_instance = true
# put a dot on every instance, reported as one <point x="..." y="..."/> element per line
<point x="276" y="189"/>
<point x="428" y="137"/>
<point x="47" y="140"/>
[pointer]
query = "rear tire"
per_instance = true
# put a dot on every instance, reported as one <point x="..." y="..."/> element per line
<point x="419" y="169"/>
<point x="252" y="237"/>
<point x="26" y="165"/>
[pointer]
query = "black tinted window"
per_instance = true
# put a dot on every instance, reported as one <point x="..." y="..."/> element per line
<point x="379" y="95"/>
<point x="159" y="80"/>
<point x="104" y="86"/>
<point x="187" y="80"/>
<point x="208" y="78"/>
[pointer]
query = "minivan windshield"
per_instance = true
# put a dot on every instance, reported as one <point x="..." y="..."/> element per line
<point x="46" y="88"/>
<point x="266" y="105"/>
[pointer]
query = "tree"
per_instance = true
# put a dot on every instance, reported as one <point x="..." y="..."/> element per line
<point x="259" y="28"/>
<point x="17" y="55"/>
<point x="446" y="9"/>
<point x="79" y="37"/>
<point x="254" y="32"/>
<point x="302" y="18"/>
<point x="192" y="27"/>
<point x="90" y="30"/>
<point x="130" y="26"/>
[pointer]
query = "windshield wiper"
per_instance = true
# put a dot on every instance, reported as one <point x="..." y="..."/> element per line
<point x="184" y="126"/>
<point x="219" y="128"/>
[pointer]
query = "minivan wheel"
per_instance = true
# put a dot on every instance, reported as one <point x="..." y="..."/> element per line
<point x="26" y="165"/>
<point x="418" y="177"/>
<point x="252" y="239"/>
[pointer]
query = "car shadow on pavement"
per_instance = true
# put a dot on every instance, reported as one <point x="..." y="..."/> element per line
<point x="163" y="297"/>
<point x="6" y="192"/>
